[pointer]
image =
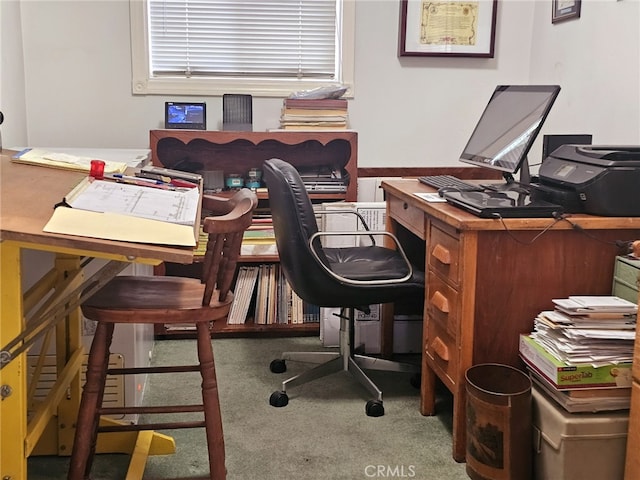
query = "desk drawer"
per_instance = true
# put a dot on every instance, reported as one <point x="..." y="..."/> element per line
<point x="443" y="306"/>
<point x="444" y="254"/>
<point x="442" y="353"/>
<point x="409" y="216"/>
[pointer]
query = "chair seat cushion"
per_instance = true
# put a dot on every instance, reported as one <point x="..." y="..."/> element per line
<point x="367" y="263"/>
<point x="143" y="299"/>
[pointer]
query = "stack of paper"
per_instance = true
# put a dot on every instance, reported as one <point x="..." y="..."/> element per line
<point x="586" y="343"/>
<point x="66" y="161"/>
<point x="116" y="211"/>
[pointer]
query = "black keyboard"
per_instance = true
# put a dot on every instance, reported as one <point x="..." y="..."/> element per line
<point x="449" y="181"/>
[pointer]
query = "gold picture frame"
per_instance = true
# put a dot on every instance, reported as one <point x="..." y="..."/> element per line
<point x="450" y="28"/>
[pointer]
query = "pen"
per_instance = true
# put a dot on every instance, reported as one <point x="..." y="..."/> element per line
<point x="141" y="182"/>
<point x="137" y="179"/>
<point x="176" y="182"/>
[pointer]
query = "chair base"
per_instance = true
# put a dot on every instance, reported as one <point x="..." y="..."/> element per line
<point x="333" y="362"/>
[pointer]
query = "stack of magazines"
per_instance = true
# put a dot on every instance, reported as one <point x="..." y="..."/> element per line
<point x="581" y="352"/>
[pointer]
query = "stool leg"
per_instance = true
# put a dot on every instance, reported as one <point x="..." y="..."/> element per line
<point x="84" y="444"/>
<point x="211" y="402"/>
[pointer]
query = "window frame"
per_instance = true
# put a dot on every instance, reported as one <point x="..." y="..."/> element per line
<point x="143" y="83"/>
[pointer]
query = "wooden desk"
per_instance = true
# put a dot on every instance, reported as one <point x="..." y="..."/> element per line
<point x="488" y="279"/>
<point x="27" y="196"/>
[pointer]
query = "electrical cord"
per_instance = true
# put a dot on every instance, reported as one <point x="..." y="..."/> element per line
<point x="623" y="245"/>
<point x="538" y="235"/>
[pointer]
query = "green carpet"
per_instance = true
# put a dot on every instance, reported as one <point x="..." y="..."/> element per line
<point x="323" y="433"/>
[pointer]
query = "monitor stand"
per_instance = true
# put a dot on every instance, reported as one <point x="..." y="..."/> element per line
<point x="510" y="184"/>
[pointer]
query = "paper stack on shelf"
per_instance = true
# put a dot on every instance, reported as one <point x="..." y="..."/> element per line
<point x="314" y="114"/>
<point x="259" y="239"/>
<point x="581" y="353"/>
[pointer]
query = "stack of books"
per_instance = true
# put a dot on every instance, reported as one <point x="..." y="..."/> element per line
<point x="263" y="293"/>
<point x="314" y="114"/>
<point x="259" y="238"/>
<point x="581" y="353"/>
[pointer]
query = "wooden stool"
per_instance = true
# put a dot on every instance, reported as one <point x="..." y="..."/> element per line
<point x="166" y="300"/>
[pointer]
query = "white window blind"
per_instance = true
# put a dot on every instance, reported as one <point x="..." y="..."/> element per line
<point x="257" y="46"/>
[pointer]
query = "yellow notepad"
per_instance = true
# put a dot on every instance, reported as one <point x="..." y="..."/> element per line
<point x="112" y="226"/>
<point x="34" y="156"/>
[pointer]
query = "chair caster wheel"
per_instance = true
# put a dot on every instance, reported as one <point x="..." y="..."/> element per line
<point x="415" y="380"/>
<point x="374" y="408"/>
<point x="278" y="366"/>
<point x="278" y="399"/>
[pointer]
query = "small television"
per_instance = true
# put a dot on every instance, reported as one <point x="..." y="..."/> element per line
<point x="508" y="127"/>
<point x="185" y="115"/>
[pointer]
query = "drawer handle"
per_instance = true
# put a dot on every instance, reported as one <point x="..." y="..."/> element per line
<point x="439" y="301"/>
<point x="440" y="348"/>
<point x="443" y="254"/>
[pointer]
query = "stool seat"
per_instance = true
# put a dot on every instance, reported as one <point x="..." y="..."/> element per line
<point x="162" y="300"/>
<point x="144" y="299"/>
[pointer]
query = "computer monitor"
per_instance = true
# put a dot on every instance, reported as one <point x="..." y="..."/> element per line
<point x="508" y="127"/>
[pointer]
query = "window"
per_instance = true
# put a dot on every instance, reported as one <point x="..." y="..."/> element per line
<point x="260" y="47"/>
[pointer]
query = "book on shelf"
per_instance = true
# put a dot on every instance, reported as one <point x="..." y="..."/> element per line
<point x="320" y="103"/>
<point x="259" y="235"/>
<point x="243" y="294"/>
<point x="264" y="292"/>
<point x="313" y="125"/>
<point x="314" y="114"/>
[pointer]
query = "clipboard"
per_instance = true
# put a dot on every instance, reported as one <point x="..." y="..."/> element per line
<point x="116" y="211"/>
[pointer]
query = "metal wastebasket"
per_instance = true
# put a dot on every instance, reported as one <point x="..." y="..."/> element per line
<point x="499" y="428"/>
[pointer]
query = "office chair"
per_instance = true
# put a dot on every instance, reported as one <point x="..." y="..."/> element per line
<point x="166" y="300"/>
<point x="349" y="278"/>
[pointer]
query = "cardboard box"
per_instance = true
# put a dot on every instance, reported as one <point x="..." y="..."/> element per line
<point x="564" y="376"/>
<point x="407" y="332"/>
<point x="577" y="446"/>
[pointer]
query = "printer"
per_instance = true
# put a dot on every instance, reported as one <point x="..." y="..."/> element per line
<point x="598" y="180"/>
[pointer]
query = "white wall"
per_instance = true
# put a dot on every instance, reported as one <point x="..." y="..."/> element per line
<point x="408" y="111"/>
<point x="12" y="90"/>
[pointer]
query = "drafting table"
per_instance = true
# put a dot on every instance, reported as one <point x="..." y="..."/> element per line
<point x="27" y="196"/>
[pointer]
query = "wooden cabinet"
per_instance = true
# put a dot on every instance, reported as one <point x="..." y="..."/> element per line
<point x="626" y="278"/>
<point x="236" y="153"/>
<point x="486" y="280"/>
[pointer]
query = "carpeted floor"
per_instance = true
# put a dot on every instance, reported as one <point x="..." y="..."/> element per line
<point x="323" y="433"/>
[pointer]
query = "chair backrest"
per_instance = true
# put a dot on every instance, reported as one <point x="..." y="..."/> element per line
<point x="229" y="219"/>
<point x="294" y="222"/>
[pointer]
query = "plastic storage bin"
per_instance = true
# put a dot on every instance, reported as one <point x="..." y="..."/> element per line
<point x="577" y="446"/>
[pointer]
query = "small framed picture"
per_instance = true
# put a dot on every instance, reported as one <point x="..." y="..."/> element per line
<point x="450" y="28"/>
<point x="185" y="115"/>
<point x="564" y="10"/>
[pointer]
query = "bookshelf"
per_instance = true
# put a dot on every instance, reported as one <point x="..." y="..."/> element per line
<point x="228" y="152"/>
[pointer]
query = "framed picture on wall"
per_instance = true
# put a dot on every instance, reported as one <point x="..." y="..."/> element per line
<point x="454" y="28"/>
<point x="564" y="10"/>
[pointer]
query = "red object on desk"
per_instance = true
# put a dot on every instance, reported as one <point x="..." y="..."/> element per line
<point x="97" y="169"/>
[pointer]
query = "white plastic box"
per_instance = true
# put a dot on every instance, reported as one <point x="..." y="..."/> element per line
<point x="577" y="446"/>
